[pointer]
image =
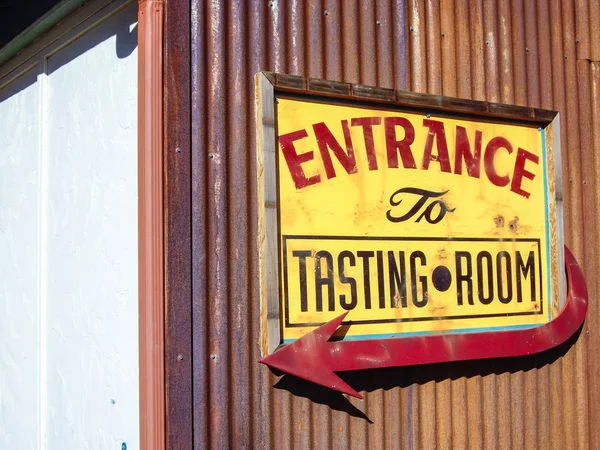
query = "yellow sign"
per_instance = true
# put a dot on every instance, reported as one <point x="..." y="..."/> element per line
<point x="413" y="223"/>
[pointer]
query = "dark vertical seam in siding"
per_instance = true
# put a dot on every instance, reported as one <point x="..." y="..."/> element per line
<point x="200" y="391"/>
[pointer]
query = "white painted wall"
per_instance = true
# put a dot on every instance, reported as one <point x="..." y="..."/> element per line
<point x="19" y="265"/>
<point x="68" y="240"/>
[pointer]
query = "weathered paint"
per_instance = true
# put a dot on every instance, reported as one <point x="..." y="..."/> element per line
<point x="517" y="52"/>
<point x="412" y="222"/>
<point x="68" y="236"/>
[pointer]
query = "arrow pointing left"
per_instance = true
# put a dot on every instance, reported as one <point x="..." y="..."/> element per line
<point x="315" y="359"/>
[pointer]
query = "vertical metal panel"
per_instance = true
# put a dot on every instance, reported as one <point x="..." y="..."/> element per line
<point x="448" y="47"/>
<point x="178" y="252"/>
<point x="238" y="255"/>
<point x="584" y="106"/>
<point x="385" y="42"/>
<point x="368" y="49"/>
<point x="333" y="29"/>
<point x="505" y="54"/>
<point x="477" y="49"/>
<point x="433" y="45"/>
<point x="582" y="29"/>
<point x="519" y="90"/>
<point x="512" y="387"/>
<point x="571" y="372"/>
<point x="592" y="318"/>
<point x="417" y="48"/>
<point x="593" y="20"/>
<point x="511" y="51"/>
<point x="540" y="437"/>
<point x="558" y="58"/>
<point x="463" y="42"/>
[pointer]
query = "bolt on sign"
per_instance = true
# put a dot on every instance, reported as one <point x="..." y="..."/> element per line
<point x="414" y="214"/>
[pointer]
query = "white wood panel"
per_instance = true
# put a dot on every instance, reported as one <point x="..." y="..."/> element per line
<point x="19" y="260"/>
<point x="92" y="332"/>
<point x="68" y="238"/>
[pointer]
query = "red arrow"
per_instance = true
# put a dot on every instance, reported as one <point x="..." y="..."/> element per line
<point x="315" y="359"/>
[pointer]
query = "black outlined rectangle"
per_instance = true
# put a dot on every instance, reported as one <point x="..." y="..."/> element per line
<point x="286" y="238"/>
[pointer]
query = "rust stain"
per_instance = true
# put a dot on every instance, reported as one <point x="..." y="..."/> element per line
<point x="513" y="225"/>
<point x="472" y="49"/>
<point x="499" y="221"/>
<point x="442" y="254"/>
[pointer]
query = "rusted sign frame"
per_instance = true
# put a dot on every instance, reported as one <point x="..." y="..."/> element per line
<point x="268" y="85"/>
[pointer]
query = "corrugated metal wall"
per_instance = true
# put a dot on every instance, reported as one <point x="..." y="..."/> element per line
<point x="542" y="53"/>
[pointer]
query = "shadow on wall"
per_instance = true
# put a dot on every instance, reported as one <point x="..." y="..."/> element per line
<point x="407" y="377"/>
<point x="122" y="25"/>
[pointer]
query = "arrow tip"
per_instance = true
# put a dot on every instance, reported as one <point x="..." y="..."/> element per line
<point x="308" y="358"/>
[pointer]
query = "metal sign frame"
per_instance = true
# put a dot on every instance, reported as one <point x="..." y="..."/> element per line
<point x="270" y="85"/>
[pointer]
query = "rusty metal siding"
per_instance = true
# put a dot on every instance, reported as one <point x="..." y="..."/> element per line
<point x="540" y="53"/>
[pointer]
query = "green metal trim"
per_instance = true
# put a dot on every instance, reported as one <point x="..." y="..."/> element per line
<point x="38" y="28"/>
